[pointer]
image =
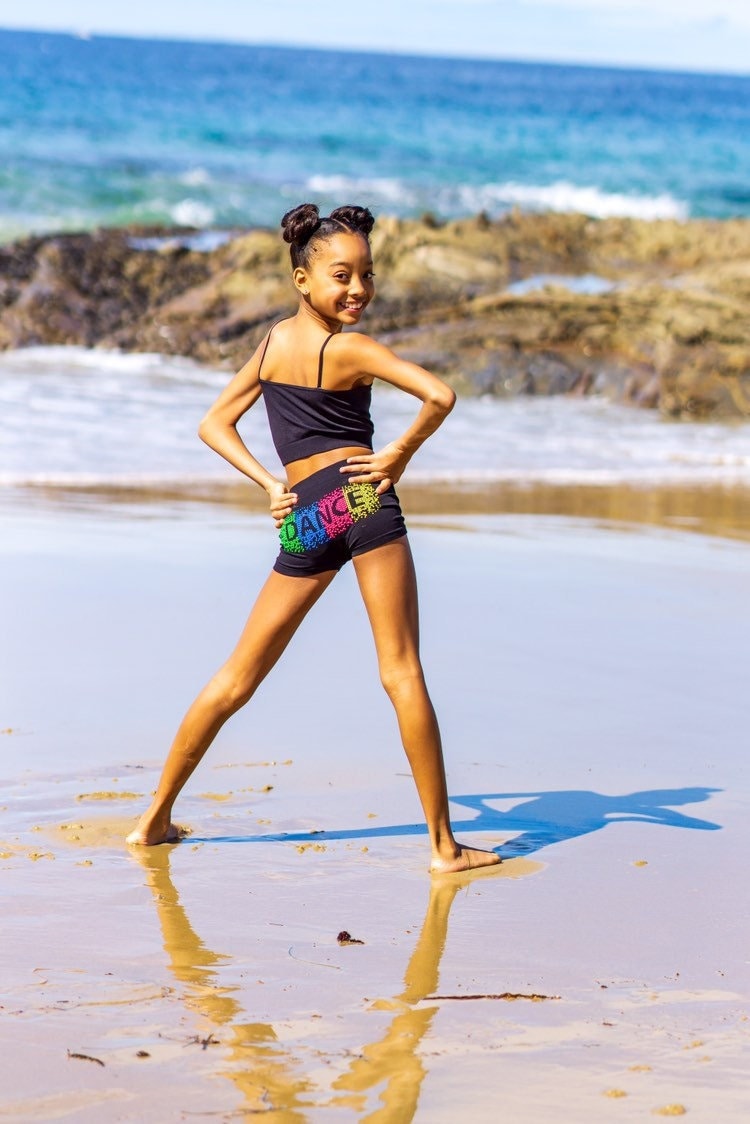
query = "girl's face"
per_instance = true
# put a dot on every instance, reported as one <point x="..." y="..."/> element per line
<point x="339" y="283"/>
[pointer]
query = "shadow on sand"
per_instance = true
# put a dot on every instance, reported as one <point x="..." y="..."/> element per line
<point x="535" y="820"/>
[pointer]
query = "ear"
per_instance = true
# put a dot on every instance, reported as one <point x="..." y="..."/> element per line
<point x="301" y="281"/>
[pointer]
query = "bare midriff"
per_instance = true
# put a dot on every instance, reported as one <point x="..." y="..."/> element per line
<point x="297" y="471"/>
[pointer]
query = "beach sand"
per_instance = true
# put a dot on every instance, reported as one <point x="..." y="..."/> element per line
<point x="591" y="684"/>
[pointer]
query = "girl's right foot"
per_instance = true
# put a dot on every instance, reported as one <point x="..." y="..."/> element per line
<point x="467" y="859"/>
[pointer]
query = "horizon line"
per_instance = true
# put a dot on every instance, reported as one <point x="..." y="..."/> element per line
<point x="85" y="34"/>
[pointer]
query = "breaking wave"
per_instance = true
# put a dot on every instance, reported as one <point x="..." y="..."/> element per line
<point x="495" y="198"/>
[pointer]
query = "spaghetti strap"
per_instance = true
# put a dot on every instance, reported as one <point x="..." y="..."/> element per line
<point x="265" y="349"/>
<point x="320" y="360"/>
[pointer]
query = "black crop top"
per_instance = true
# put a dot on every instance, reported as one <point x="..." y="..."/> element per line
<point x="310" y="419"/>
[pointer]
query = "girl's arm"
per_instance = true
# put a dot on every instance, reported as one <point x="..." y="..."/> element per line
<point x="219" y="431"/>
<point x="371" y="359"/>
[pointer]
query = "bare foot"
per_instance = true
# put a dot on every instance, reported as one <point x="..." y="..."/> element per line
<point x="466" y="859"/>
<point x="150" y="832"/>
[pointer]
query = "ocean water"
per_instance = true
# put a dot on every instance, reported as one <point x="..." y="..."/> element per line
<point x="82" y="418"/>
<point x="219" y="137"/>
<point x="111" y="131"/>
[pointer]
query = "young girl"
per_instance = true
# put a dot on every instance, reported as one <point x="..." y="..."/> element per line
<point x="338" y="502"/>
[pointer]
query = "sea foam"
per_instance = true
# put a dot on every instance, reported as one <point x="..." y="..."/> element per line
<point x="564" y="196"/>
<point x="102" y="418"/>
<point x="192" y="212"/>
<point x="496" y="198"/>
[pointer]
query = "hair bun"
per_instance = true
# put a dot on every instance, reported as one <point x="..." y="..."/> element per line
<point x="359" y="219"/>
<point x="299" y="223"/>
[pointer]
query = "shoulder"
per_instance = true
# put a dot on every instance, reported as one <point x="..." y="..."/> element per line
<point x="350" y="342"/>
<point x="359" y="357"/>
<point x="357" y="348"/>
<point x="364" y="359"/>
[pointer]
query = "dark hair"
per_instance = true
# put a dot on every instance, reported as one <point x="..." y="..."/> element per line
<point x="303" y="228"/>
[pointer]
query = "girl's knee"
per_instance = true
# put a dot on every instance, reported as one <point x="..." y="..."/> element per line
<point x="228" y="692"/>
<point x="401" y="677"/>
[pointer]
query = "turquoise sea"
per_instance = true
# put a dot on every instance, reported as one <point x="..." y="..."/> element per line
<point x="111" y="131"/>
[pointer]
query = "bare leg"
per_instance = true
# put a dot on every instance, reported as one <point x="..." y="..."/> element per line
<point x="389" y="590"/>
<point x="281" y="607"/>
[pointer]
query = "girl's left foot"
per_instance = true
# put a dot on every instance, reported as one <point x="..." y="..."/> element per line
<point x="466" y="859"/>
<point x="151" y="832"/>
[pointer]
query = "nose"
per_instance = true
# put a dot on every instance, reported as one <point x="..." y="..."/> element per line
<point x="356" y="286"/>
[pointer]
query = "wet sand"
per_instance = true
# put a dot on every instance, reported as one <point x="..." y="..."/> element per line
<point x="591" y="684"/>
<point x="722" y="510"/>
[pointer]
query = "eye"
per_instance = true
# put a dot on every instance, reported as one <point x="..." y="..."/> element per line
<point x="341" y="276"/>
<point x="369" y="275"/>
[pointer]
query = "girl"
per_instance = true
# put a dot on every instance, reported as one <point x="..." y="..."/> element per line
<point x="338" y="502"/>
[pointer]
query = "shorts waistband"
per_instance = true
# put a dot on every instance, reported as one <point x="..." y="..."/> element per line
<point x="327" y="477"/>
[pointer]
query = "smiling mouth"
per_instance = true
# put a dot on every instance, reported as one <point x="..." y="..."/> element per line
<point x="354" y="307"/>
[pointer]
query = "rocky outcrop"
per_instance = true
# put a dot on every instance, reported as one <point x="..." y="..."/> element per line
<point x="672" y="331"/>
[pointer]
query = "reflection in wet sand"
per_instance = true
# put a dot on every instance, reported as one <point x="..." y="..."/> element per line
<point x="264" y="1077"/>
<point x="706" y="510"/>
<point x="394" y="1061"/>
<point x="268" y="1076"/>
<point x="720" y="509"/>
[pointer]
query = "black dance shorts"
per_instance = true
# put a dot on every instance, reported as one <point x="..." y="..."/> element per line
<point x="335" y="520"/>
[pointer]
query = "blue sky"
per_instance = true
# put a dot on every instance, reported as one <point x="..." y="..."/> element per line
<point x="711" y="35"/>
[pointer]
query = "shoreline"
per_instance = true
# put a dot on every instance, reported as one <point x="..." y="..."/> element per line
<point x="718" y="510"/>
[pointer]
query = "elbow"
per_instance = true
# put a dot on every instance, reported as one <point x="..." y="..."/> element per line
<point x="443" y="399"/>
<point x="207" y="429"/>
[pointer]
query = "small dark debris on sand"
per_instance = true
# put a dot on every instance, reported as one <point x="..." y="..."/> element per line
<point x="85" y="1057"/>
<point x="509" y="996"/>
